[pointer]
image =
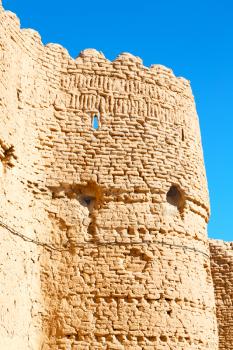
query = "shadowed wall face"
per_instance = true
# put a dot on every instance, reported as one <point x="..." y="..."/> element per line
<point x="114" y="171"/>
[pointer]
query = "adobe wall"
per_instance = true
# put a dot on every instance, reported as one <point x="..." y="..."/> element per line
<point x="121" y="210"/>
<point x="222" y="273"/>
<point x="20" y="307"/>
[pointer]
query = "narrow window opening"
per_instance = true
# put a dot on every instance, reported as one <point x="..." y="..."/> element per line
<point x="95" y="122"/>
<point x="175" y="197"/>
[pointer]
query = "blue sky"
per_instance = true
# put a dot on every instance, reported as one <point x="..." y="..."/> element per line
<point x="194" y="38"/>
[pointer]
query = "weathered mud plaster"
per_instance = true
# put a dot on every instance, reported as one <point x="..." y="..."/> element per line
<point x="103" y="228"/>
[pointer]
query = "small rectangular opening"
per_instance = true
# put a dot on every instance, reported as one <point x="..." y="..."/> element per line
<point x="95" y="122"/>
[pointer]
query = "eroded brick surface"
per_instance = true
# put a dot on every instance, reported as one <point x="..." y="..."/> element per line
<point x="222" y="272"/>
<point x="123" y="208"/>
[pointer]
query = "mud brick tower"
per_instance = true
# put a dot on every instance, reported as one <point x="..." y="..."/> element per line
<point x="104" y="203"/>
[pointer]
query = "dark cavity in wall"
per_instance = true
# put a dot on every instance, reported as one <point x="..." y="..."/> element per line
<point x="87" y="201"/>
<point x="175" y="197"/>
<point x="182" y="134"/>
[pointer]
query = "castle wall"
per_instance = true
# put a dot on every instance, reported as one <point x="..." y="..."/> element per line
<point x="117" y="215"/>
<point x="222" y="268"/>
<point x="21" y="167"/>
<point x="19" y="274"/>
<point x="128" y="283"/>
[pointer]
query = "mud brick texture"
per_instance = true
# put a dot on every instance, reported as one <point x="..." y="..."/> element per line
<point x="104" y="205"/>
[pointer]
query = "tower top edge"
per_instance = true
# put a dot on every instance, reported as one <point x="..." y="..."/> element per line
<point x="93" y="55"/>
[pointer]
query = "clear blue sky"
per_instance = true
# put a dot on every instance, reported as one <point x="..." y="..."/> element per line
<point x="193" y="37"/>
